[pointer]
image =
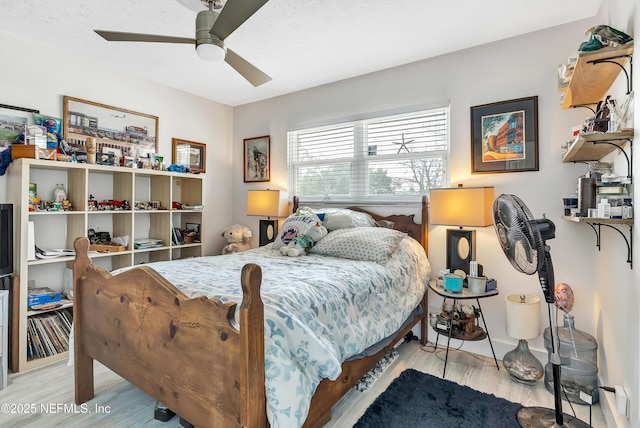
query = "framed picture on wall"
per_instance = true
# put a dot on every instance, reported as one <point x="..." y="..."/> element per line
<point x="13" y="121"/>
<point x="190" y="154"/>
<point x="504" y="136"/>
<point x="133" y="133"/>
<point x="257" y="159"/>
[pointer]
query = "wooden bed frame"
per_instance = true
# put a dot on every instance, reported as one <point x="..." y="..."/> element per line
<point x="191" y="354"/>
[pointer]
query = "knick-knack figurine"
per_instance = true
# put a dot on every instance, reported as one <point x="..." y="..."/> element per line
<point x="59" y="194"/>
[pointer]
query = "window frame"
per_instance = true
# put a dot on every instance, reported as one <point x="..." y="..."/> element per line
<point x="359" y="179"/>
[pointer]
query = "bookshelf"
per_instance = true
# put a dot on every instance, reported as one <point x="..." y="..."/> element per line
<point x="58" y="229"/>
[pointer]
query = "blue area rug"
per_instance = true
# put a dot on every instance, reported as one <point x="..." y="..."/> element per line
<point x="416" y="399"/>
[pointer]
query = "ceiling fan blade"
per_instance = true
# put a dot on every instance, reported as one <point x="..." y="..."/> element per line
<point x="233" y="15"/>
<point x="115" y="36"/>
<point x="245" y="68"/>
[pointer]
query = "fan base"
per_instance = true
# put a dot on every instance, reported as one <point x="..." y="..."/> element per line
<point x="541" y="417"/>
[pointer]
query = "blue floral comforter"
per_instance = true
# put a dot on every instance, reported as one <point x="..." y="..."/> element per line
<point x="319" y="311"/>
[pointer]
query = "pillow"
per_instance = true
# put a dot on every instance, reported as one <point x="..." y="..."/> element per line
<point x="339" y="218"/>
<point x="374" y="244"/>
<point x="385" y="223"/>
<point x="294" y="226"/>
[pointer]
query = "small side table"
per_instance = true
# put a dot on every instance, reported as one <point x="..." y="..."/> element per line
<point x="478" y="335"/>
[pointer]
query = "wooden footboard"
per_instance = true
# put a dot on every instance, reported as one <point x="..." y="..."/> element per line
<point x="188" y="354"/>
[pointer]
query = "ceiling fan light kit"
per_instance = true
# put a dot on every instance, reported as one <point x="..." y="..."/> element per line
<point x="210" y="52"/>
<point x="208" y="46"/>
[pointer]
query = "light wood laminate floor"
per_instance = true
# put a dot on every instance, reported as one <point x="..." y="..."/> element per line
<point x="43" y="397"/>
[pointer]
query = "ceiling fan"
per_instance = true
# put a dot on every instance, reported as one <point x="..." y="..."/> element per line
<point x="211" y="30"/>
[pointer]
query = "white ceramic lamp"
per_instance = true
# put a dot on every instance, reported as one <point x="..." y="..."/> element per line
<point x="522" y="323"/>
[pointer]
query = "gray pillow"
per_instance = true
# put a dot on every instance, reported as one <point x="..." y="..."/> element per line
<point x="375" y="244"/>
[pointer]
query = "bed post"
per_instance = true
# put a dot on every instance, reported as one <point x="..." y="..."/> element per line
<point x="252" y="376"/>
<point x="83" y="363"/>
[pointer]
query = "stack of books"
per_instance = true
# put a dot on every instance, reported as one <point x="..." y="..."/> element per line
<point x="141" y="244"/>
<point x="48" y="334"/>
<point x="42" y="253"/>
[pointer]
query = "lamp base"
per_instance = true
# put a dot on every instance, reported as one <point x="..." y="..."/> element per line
<point x="541" y="417"/>
<point x="268" y="231"/>
<point x="461" y="249"/>
<point x="522" y="365"/>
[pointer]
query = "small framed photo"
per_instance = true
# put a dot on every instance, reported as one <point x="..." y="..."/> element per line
<point x="13" y="121"/>
<point x="130" y="162"/>
<point x="257" y="159"/>
<point x="106" y="159"/>
<point x="190" y="154"/>
<point x="117" y="154"/>
<point x="504" y="136"/>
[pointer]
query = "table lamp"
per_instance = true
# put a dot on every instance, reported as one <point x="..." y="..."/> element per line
<point x="523" y="322"/>
<point x="461" y="206"/>
<point x="265" y="203"/>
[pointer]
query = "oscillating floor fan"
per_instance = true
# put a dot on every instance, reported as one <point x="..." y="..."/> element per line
<point x="523" y="240"/>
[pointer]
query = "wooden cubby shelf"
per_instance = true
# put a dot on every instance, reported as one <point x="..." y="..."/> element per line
<point x="54" y="230"/>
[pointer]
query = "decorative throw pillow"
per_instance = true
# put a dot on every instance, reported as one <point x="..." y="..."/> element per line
<point x="294" y="226"/>
<point x="375" y="244"/>
<point x="339" y="218"/>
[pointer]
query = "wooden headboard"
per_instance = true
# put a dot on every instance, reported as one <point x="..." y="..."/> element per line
<point x="402" y="222"/>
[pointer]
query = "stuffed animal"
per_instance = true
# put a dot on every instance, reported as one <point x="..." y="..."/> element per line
<point x="237" y="237"/>
<point x="303" y="243"/>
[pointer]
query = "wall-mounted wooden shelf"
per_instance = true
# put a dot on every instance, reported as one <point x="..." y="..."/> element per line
<point x="590" y="81"/>
<point x="611" y="223"/>
<point x="595" y="220"/>
<point x="595" y="146"/>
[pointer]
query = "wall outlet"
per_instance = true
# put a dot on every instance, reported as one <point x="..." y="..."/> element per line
<point x="621" y="400"/>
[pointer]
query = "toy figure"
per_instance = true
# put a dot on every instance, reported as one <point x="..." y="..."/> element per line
<point x="55" y="140"/>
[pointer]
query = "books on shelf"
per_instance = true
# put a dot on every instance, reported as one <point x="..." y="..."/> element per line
<point x="193" y="207"/>
<point x="141" y="244"/>
<point x="42" y="253"/>
<point x="48" y="333"/>
<point x="176" y="236"/>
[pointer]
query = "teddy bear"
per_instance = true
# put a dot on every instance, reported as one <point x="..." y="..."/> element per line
<point x="237" y="237"/>
<point x="303" y="243"/>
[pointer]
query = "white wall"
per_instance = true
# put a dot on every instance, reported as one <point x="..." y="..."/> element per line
<point x="34" y="77"/>
<point x="617" y="292"/>
<point x="514" y="68"/>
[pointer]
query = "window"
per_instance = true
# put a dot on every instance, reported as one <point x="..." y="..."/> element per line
<point x="390" y="158"/>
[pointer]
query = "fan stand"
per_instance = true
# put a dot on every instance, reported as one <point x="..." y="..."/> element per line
<point x="542" y="417"/>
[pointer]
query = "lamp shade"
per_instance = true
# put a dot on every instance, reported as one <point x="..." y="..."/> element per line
<point x="461" y="206"/>
<point x="523" y="316"/>
<point x="264" y="203"/>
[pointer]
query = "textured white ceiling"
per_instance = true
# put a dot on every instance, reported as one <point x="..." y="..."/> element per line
<point x="299" y="43"/>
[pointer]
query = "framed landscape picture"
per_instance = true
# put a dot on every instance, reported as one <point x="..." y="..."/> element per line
<point x="257" y="159"/>
<point x="133" y="133"/>
<point x="190" y="154"/>
<point x="504" y="136"/>
<point x="12" y="123"/>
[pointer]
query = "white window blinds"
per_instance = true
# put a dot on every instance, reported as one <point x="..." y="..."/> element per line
<point x="385" y="158"/>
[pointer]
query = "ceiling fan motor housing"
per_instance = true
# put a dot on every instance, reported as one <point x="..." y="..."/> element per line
<point x="204" y="22"/>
